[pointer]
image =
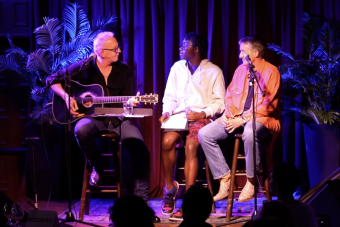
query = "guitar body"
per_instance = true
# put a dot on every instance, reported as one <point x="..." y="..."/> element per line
<point x="78" y="91"/>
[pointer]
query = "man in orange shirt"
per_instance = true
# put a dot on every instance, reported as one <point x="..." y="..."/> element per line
<point x="237" y="116"/>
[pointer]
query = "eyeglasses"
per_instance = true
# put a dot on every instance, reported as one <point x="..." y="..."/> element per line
<point x="114" y="50"/>
<point x="184" y="47"/>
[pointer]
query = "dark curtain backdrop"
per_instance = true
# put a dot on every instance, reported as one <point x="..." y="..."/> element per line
<point x="152" y="31"/>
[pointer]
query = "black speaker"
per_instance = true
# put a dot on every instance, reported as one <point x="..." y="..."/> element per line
<point x="325" y="199"/>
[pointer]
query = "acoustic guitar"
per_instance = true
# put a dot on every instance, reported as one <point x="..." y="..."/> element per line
<point x="89" y="97"/>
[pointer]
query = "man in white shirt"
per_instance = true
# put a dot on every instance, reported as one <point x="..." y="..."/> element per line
<point x="195" y="86"/>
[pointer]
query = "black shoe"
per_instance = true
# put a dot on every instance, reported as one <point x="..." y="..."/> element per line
<point x="169" y="200"/>
<point x="177" y="216"/>
<point x="95" y="178"/>
<point x="156" y="219"/>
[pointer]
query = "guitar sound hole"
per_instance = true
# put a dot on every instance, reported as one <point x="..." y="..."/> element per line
<point x="87" y="101"/>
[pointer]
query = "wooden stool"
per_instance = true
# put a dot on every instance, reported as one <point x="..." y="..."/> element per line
<point x="88" y="189"/>
<point x="234" y="173"/>
<point x="181" y="149"/>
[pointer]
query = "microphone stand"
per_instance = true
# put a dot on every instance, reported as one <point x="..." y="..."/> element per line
<point x="252" y="79"/>
<point x="69" y="215"/>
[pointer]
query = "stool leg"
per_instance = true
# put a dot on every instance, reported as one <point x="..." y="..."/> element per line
<point x="266" y="185"/>
<point x="87" y="204"/>
<point x="207" y="175"/>
<point x="117" y="169"/>
<point x="83" y="192"/>
<point x="232" y="181"/>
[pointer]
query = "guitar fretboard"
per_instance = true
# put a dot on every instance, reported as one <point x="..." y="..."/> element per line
<point x="111" y="99"/>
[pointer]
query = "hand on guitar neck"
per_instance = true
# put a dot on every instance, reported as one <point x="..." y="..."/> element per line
<point x="134" y="100"/>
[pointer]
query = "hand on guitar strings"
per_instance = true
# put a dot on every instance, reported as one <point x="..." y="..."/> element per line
<point x="74" y="107"/>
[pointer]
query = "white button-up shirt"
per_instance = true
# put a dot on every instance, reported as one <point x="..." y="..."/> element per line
<point x="204" y="90"/>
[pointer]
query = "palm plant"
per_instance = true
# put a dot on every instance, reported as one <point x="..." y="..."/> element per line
<point x="316" y="78"/>
<point x="60" y="44"/>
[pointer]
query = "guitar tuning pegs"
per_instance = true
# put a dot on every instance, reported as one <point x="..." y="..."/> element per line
<point x="150" y="93"/>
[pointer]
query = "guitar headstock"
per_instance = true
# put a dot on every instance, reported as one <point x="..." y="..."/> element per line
<point x="152" y="98"/>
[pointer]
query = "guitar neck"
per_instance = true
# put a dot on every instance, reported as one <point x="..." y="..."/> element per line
<point x="111" y="99"/>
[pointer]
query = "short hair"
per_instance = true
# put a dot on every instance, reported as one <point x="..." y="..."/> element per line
<point x="99" y="41"/>
<point x="197" y="204"/>
<point x="199" y="41"/>
<point x="256" y="42"/>
<point x="287" y="176"/>
<point x="120" y="212"/>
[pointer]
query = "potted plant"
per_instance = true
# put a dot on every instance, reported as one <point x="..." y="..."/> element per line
<point x="318" y="80"/>
<point x="60" y="43"/>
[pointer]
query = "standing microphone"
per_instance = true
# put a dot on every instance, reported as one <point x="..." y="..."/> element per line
<point x="87" y="60"/>
<point x="249" y="61"/>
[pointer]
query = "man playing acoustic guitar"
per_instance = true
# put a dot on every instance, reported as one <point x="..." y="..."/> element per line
<point x="117" y="80"/>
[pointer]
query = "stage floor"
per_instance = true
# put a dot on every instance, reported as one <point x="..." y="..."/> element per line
<point x="242" y="209"/>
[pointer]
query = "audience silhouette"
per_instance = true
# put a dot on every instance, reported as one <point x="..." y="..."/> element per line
<point x="123" y="209"/>
<point x="283" y="183"/>
<point x="197" y="203"/>
<point x="276" y="210"/>
<point x="265" y="222"/>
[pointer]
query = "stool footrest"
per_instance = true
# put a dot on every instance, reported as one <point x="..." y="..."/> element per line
<point x="101" y="191"/>
<point x="107" y="155"/>
<point x="204" y="184"/>
<point x="240" y="189"/>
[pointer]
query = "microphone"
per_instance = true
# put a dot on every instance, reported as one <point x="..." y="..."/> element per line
<point x="87" y="60"/>
<point x="249" y="61"/>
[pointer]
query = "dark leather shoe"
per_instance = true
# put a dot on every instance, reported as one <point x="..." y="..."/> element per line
<point x="156" y="219"/>
<point x="95" y="178"/>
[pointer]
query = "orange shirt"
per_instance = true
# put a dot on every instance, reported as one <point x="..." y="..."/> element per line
<point x="267" y="108"/>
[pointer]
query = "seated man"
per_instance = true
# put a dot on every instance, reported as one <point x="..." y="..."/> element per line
<point x="238" y="116"/>
<point x="283" y="183"/>
<point x="201" y="83"/>
<point x="117" y="79"/>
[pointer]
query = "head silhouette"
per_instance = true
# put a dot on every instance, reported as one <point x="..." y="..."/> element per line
<point x="197" y="204"/>
<point x="123" y="214"/>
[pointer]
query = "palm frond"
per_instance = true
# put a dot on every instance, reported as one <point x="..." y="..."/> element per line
<point x="278" y="50"/>
<point x="37" y="93"/>
<point x="40" y="60"/>
<point x="329" y="39"/>
<point x="42" y="115"/>
<point x="7" y="63"/>
<point x="75" y="50"/>
<point x="310" y="26"/>
<point x="106" y="23"/>
<point x="75" y="20"/>
<point x="49" y="36"/>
